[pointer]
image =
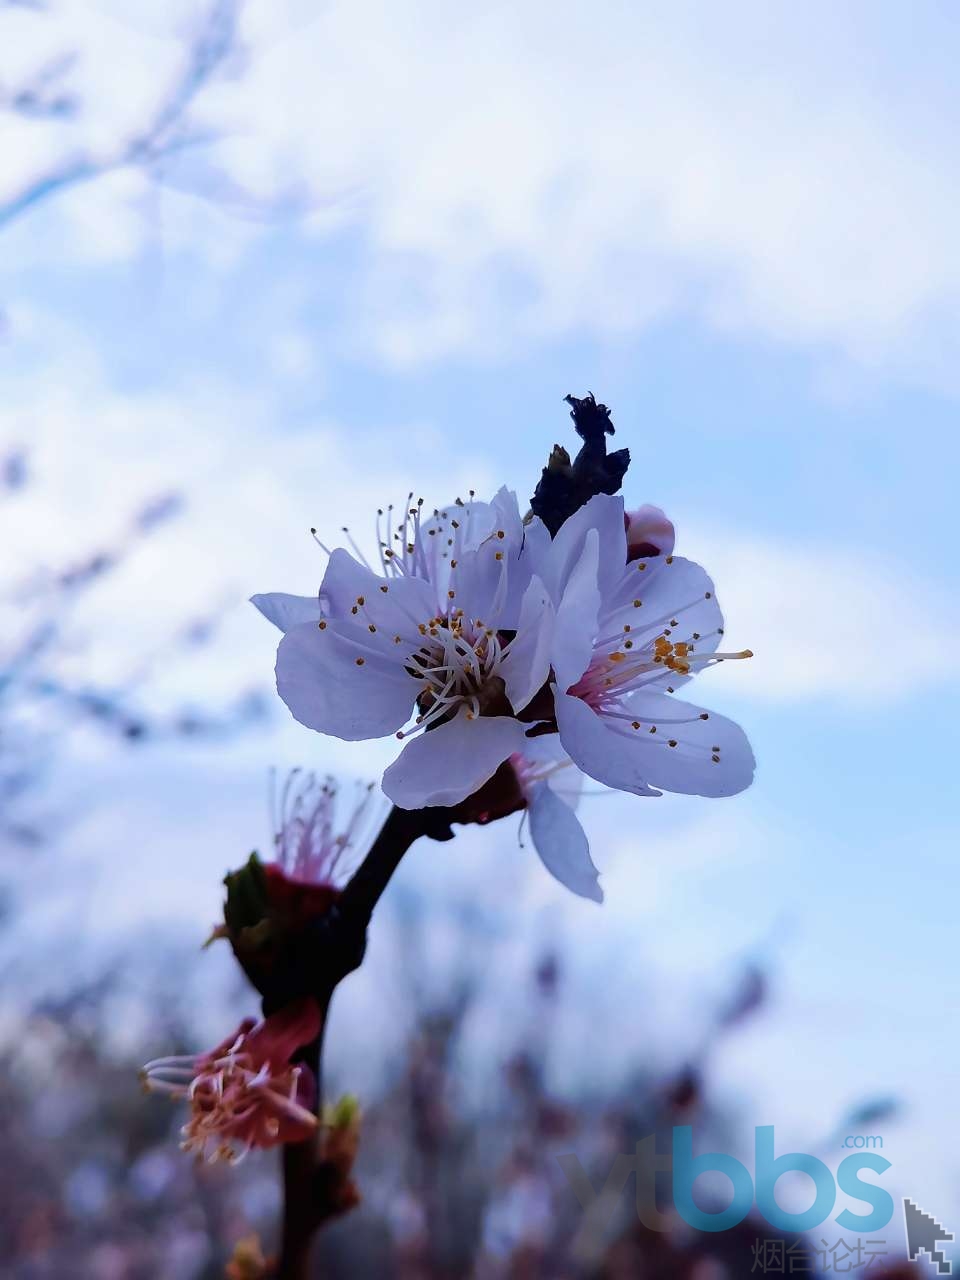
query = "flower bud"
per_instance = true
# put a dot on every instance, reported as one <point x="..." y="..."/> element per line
<point x="248" y="1262"/>
<point x="341" y="1141"/>
<point x="649" y="533"/>
<point x="270" y="905"/>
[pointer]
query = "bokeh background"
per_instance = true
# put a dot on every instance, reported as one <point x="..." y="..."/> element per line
<point x="267" y="266"/>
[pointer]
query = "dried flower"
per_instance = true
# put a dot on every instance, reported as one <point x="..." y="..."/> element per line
<point x="248" y="1091"/>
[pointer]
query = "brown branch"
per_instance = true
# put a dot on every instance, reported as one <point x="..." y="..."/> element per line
<point x="313" y="1189"/>
<point x="300" y="1162"/>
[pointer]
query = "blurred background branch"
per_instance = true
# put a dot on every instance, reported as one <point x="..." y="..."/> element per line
<point x="46" y="95"/>
<point x="39" y="706"/>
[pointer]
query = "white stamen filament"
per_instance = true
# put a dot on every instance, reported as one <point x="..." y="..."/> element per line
<point x="454" y="662"/>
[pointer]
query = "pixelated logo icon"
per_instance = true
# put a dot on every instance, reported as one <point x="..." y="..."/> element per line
<point x="924" y="1234"/>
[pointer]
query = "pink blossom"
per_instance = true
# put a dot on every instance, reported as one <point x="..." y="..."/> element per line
<point x="649" y="533"/>
<point x="627" y="636"/>
<point x="316" y="843"/>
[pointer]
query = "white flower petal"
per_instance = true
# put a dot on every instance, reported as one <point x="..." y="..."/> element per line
<point x="604" y="514"/>
<point x="561" y="842"/>
<point x="507" y="513"/>
<point x="527" y="663"/>
<point x="517" y="551"/>
<point x="326" y="688"/>
<point x="479" y="584"/>
<point x="673" y="587"/>
<point x="285" y="610"/>
<point x="576" y="626"/>
<point x="445" y="765"/>
<point x="670" y="591"/>
<point x="444" y="537"/>
<point x="599" y="751"/>
<point x="690" y="768"/>
<point x="347" y="580"/>
<point x="537" y="545"/>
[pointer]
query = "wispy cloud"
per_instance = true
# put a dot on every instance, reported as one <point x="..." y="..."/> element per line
<point x="521" y="174"/>
<point x="838" y="623"/>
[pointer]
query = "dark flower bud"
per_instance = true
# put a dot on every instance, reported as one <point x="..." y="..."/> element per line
<point x="565" y="486"/>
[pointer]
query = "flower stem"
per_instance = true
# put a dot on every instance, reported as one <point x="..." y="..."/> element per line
<point x="307" y="1202"/>
<point x="401" y="829"/>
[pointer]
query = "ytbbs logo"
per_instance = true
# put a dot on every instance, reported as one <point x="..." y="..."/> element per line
<point x="768" y="1169"/>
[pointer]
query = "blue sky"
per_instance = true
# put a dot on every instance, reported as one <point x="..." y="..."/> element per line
<point x="737" y="226"/>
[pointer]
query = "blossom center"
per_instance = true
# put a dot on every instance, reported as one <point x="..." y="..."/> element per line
<point x="630" y="661"/>
<point x="457" y="665"/>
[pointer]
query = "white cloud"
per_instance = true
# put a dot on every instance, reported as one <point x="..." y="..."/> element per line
<point x="252" y="492"/>
<point x="826" y="622"/>
<point x="519" y="173"/>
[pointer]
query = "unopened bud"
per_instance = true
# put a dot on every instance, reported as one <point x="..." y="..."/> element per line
<point x="247" y="1262"/>
<point x="649" y="533"/>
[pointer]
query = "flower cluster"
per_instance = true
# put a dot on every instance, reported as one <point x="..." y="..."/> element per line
<point x="485" y="645"/>
<point x="510" y="656"/>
